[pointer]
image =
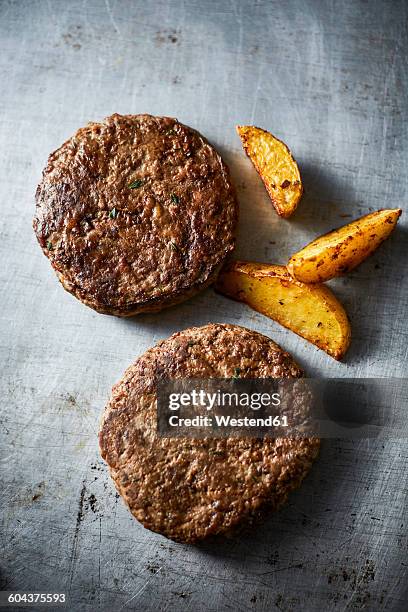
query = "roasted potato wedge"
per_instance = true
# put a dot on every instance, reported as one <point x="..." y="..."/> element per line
<point x="276" y="167"/>
<point x="342" y="249"/>
<point x="311" y="311"/>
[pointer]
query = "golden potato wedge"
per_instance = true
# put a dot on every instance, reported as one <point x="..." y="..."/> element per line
<point x="311" y="311"/>
<point x="343" y="249"/>
<point x="276" y="166"/>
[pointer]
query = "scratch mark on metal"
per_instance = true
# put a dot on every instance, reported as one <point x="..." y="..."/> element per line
<point x="140" y="590"/>
<point x="74" y="549"/>
<point x="111" y="17"/>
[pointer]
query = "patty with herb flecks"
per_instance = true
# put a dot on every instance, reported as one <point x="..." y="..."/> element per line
<point x="188" y="489"/>
<point x="135" y="213"/>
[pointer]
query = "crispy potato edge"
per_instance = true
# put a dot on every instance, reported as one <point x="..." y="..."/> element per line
<point x="301" y="263"/>
<point x="283" y="211"/>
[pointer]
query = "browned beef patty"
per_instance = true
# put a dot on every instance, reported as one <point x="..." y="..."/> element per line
<point x="135" y="213"/>
<point x="188" y="489"/>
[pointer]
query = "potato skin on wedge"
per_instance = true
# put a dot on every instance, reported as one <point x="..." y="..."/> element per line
<point x="275" y="165"/>
<point x="311" y="311"/>
<point x="343" y="249"/>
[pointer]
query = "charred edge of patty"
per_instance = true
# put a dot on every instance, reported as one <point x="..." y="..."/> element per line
<point x="154" y="304"/>
<point x="244" y="522"/>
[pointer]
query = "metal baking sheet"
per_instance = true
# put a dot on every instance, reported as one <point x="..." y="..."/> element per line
<point x="329" y="78"/>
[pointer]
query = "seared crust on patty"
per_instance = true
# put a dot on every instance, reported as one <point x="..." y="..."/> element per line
<point x="189" y="489"/>
<point x="135" y="213"/>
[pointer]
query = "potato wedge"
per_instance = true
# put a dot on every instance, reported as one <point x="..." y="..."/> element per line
<point x="343" y="249"/>
<point x="311" y="311"/>
<point x="276" y="166"/>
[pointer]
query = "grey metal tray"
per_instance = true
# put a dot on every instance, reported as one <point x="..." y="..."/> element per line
<point x="331" y="80"/>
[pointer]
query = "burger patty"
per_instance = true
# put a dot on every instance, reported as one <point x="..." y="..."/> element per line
<point x="135" y="213"/>
<point x="188" y="489"/>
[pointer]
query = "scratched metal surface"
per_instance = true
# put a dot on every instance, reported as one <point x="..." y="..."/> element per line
<point x="330" y="78"/>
